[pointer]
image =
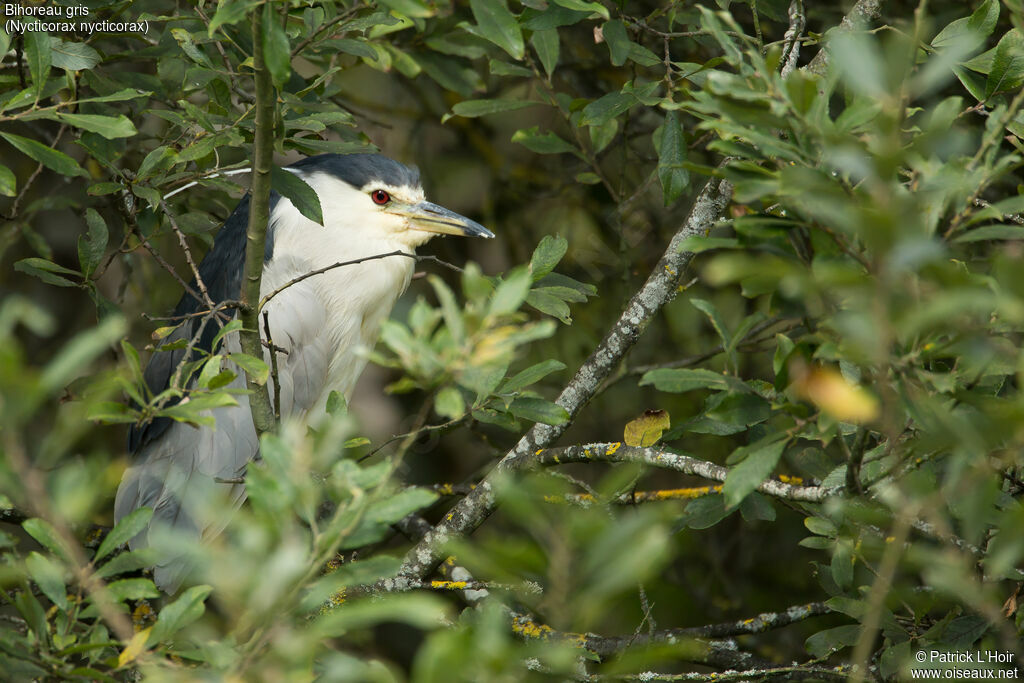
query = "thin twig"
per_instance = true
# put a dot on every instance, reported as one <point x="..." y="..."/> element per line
<point x="188" y="254"/>
<point x="16" y="205"/>
<point x="269" y="341"/>
<point x="320" y="271"/>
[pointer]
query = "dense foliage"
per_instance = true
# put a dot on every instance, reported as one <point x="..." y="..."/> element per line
<point x="800" y="456"/>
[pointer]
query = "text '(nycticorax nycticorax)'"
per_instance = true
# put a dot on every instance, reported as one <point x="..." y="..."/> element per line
<point x="324" y="324"/>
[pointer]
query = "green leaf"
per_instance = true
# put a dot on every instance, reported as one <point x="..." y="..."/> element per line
<point x="755" y="468"/>
<point x="73" y="57"/>
<point x="605" y="108"/>
<point x="180" y="613"/>
<point x="187" y="42"/>
<point x="1007" y="65"/>
<point x="74" y="358"/>
<point x="276" y="48"/>
<point x="449" y="403"/>
<point x="497" y="24"/>
<point x="132" y="589"/>
<point x="298" y="191"/>
<point x="511" y="293"/>
<point x="825" y="642"/>
<point x="546" y="44"/>
<point x="110" y="127"/>
<point x="230" y="328"/>
<point x="37" y="53"/>
<point x="258" y="370"/>
<point x="450" y="310"/>
<point x="705" y="512"/>
<point x="708" y="309"/>
<point x="101" y="189"/>
<point x="420" y="610"/>
<point x="993" y="232"/>
<point x="552" y="17"/>
<point x="8" y="183"/>
<point x="380" y="515"/>
<point x="647" y="429"/>
<point x="546" y="256"/>
<point x="498" y="67"/>
<point x="47" y="271"/>
<point x="124" y="531"/>
<point x="49" y="577"/>
<point x="548" y="304"/>
<point x="410" y="8"/>
<point x="539" y="410"/>
<point x="91" y="249"/>
<point x="230" y="12"/>
<point x="128" y="562"/>
<point x="601" y="135"/>
<point x="842" y="563"/>
<point x="48" y="157"/>
<point x="450" y="72"/>
<point x="970" y="30"/>
<point x="531" y="375"/>
<point x="687" y="379"/>
<point x="474" y="108"/>
<point x="548" y="143"/>
<point x="43" y="531"/>
<point x="675" y="178"/>
<point x="159" y="159"/>
<point x="615" y="36"/>
<point x="584" y="6"/>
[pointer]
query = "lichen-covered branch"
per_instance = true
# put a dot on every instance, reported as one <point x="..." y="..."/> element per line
<point x="619" y="452"/>
<point x="660" y="287"/>
<point x="863" y="12"/>
<point x="256" y="234"/>
<point x="791" y="41"/>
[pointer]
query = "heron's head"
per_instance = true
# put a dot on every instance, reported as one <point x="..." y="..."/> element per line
<point x="377" y="196"/>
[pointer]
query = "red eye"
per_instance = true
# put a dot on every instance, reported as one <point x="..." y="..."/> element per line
<point x="380" y="197"/>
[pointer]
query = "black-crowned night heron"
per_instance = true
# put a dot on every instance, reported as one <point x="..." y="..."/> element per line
<point x="324" y="324"/>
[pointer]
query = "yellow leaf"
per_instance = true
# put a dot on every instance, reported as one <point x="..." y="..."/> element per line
<point x="647" y="429"/>
<point x="832" y="393"/>
<point x="136" y="646"/>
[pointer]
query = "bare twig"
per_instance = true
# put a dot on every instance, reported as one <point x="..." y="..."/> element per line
<point x="170" y="269"/>
<point x="188" y="254"/>
<point x="273" y="365"/>
<point x="320" y="271"/>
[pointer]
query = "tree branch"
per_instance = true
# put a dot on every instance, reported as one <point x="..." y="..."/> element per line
<point x="862" y="12"/>
<point x="661" y="287"/>
<point x="256" y="234"/>
<point x="791" y="46"/>
<point x="619" y="452"/>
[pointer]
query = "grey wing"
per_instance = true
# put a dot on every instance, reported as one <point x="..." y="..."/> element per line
<point x="177" y="476"/>
<point x="177" y="470"/>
